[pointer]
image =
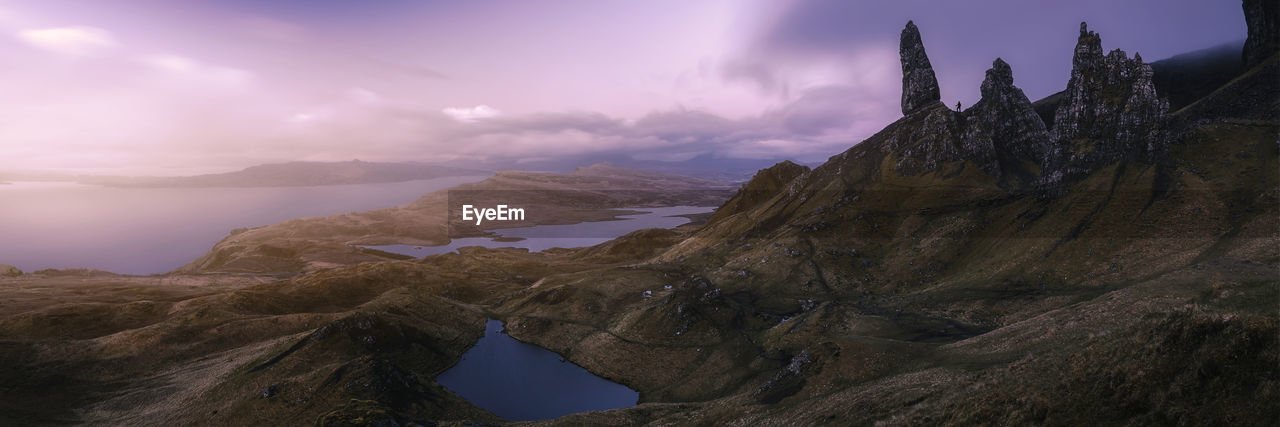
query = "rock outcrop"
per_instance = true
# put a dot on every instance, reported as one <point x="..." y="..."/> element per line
<point x="1000" y="134"/>
<point x="919" y="85"/>
<point x="1005" y="120"/>
<point x="1264" y="31"/>
<point x="1109" y="111"/>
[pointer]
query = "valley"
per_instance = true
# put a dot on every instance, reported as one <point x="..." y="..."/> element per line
<point x="1116" y="261"/>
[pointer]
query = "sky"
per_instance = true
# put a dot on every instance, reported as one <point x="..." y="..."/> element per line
<point x="167" y="87"/>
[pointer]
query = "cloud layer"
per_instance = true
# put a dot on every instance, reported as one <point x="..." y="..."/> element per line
<point x="154" y="87"/>
<point x="69" y="41"/>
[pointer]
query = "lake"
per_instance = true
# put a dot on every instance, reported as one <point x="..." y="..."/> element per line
<point x="542" y="237"/>
<point x="523" y="382"/>
<point x="156" y="230"/>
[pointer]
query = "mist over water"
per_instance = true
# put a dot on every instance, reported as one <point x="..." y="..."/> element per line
<point x="155" y="230"/>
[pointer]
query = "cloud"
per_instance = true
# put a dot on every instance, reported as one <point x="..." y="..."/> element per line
<point x="363" y="96"/>
<point x="272" y="30"/>
<point x="686" y="125"/>
<point x="409" y="69"/>
<point x="758" y="73"/>
<point x="167" y="104"/>
<point x="765" y="148"/>
<point x="820" y="110"/>
<point x="471" y="114"/>
<point x="69" y="41"/>
<point x="589" y="122"/>
<point x="183" y="67"/>
<point x="821" y="121"/>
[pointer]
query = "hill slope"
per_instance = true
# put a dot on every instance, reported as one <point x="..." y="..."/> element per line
<point x="910" y="280"/>
<point x="959" y="267"/>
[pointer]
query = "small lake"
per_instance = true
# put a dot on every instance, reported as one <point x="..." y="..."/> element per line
<point x="542" y="237"/>
<point x="523" y="382"/>
<point x="156" y="230"/>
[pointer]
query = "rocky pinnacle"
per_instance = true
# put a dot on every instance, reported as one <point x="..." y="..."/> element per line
<point x="919" y="85"/>
<point x="1110" y="103"/>
<point x="999" y="77"/>
<point x="1088" y="48"/>
<point x="1005" y="117"/>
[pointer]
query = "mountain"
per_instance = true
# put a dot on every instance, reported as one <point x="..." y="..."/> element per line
<point x="295" y="174"/>
<point x="1116" y="265"/>
<point x="969" y="266"/>
<point x="1190" y="76"/>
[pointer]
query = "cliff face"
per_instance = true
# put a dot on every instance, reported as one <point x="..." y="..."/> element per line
<point x="919" y="85"/>
<point x="1264" y="30"/>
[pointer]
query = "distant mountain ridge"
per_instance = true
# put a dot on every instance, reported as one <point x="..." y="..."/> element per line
<point x="1109" y="259"/>
<point x="296" y="174"/>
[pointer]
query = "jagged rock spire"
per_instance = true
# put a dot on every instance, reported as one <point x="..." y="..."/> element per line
<point x="1005" y="123"/>
<point x="1088" y="47"/>
<point x="919" y="85"/>
<point x="1101" y="90"/>
<point x="998" y="77"/>
<point x="1004" y="116"/>
<point x="1111" y="102"/>
<point x="1000" y="134"/>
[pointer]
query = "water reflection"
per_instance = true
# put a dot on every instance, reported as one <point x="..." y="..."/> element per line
<point x="522" y="382"/>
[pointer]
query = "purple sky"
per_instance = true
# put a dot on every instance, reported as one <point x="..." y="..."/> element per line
<point x="163" y="87"/>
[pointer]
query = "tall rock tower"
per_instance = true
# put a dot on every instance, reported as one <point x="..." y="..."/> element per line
<point x="1109" y="111"/>
<point x="919" y="85"/>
